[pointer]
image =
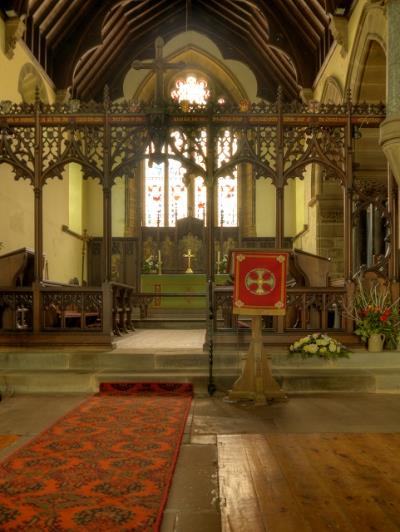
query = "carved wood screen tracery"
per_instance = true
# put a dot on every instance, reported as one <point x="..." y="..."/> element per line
<point x="109" y="140"/>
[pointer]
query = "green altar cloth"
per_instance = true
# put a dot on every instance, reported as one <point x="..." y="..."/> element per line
<point x="178" y="283"/>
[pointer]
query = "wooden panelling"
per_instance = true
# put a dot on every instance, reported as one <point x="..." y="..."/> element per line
<point x="123" y="264"/>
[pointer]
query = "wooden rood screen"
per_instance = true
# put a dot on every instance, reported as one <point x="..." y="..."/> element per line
<point x="278" y="140"/>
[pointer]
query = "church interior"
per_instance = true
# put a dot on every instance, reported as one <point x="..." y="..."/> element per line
<point x="145" y="147"/>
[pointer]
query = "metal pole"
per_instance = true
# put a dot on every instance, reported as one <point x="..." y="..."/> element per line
<point x="210" y="327"/>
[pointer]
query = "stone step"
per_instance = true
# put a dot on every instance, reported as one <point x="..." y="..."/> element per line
<point x="78" y="371"/>
<point x="72" y="381"/>
<point x="296" y="380"/>
<point x="171" y="323"/>
<point x="124" y="360"/>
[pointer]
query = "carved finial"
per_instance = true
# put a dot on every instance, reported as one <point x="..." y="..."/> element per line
<point x="279" y="94"/>
<point x="348" y="96"/>
<point x="106" y="96"/>
<point x="37" y="95"/>
<point x="64" y="95"/>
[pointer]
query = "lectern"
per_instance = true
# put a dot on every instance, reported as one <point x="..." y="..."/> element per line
<point x="259" y="290"/>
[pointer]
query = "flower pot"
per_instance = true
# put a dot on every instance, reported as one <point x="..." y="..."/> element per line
<point x="375" y="343"/>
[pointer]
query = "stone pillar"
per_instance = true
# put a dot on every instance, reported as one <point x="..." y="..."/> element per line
<point x="390" y="128"/>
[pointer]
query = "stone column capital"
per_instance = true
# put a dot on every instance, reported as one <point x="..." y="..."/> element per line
<point x="389" y="139"/>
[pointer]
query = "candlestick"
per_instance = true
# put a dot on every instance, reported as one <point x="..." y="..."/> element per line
<point x="218" y="261"/>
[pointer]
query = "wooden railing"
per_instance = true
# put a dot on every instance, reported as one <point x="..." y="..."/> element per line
<point x="110" y="309"/>
<point x="16" y="309"/>
<point x="71" y="308"/>
<point x="308" y="309"/>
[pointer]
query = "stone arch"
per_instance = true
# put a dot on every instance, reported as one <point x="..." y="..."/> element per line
<point x="222" y="81"/>
<point x="366" y="79"/>
<point x="372" y="28"/>
<point x="332" y="92"/>
<point x="203" y="56"/>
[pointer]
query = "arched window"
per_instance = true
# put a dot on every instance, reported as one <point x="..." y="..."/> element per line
<point x="227" y="185"/>
<point x="191" y="89"/>
<point x="154" y="193"/>
<point x="166" y="195"/>
<point x="227" y="200"/>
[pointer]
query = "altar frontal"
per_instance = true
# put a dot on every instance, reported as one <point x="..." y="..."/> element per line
<point x="259" y="290"/>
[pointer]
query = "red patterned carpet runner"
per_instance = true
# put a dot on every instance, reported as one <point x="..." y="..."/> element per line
<point x="105" y="466"/>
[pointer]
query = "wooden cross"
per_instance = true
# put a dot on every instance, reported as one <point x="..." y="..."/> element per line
<point x="159" y="66"/>
<point x="189" y="257"/>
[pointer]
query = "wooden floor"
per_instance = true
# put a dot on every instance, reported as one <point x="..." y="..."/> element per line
<point x="309" y="482"/>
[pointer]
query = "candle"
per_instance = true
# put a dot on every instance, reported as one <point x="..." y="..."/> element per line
<point x="159" y="255"/>
<point x="219" y="256"/>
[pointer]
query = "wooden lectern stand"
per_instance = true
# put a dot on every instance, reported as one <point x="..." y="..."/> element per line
<point x="259" y="289"/>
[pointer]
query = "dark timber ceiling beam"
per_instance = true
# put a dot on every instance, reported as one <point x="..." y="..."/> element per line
<point x="88" y="43"/>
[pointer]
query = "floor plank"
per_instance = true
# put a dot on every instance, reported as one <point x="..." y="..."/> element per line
<point x="309" y="482"/>
<point x="345" y="481"/>
<point x="254" y="493"/>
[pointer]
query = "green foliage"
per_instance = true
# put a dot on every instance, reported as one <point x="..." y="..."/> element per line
<point x="150" y="265"/>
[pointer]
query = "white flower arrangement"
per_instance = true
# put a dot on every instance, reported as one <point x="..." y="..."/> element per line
<point x="320" y="345"/>
<point x="150" y="265"/>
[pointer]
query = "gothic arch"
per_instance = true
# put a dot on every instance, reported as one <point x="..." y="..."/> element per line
<point x="372" y="27"/>
<point x="332" y="92"/>
<point x="297" y="169"/>
<point x="57" y="169"/>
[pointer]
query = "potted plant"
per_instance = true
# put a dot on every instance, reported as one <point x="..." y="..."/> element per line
<point x="376" y="317"/>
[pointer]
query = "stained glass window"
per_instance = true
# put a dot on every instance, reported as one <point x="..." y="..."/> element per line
<point x="177" y="192"/>
<point x="154" y="194"/>
<point x="227" y="185"/>
<point x="191" y="89"/>
<point x="227" y="200"/>
<point x="200" y="199"/>
<point x="164" y="186"/>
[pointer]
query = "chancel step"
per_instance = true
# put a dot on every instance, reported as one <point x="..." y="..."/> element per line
<point x="44" y="371"/>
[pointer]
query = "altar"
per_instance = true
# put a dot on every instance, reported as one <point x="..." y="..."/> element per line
<point x="179" y="283"/>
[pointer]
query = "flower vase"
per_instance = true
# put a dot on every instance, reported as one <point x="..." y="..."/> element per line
<point x="375" y="343"/>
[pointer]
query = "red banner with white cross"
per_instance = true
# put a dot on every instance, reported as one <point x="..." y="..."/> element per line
<point x="259" y="282"/>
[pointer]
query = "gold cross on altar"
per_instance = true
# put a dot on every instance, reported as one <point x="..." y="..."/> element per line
<point x="189" y="257"/>
<point x="159" y="66"/>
